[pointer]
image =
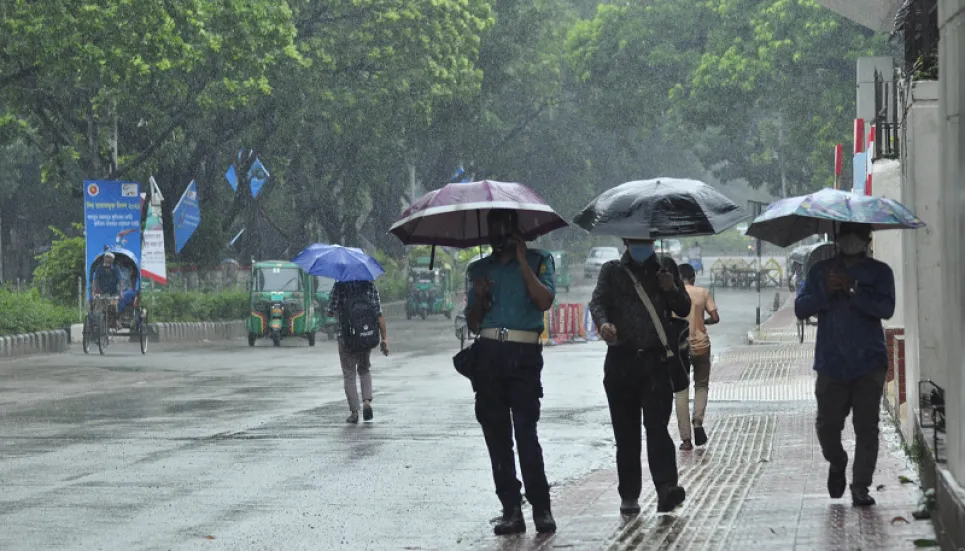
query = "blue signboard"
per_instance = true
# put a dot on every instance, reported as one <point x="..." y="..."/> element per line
<point x="859" y="172"/>
<point x="187" y="216"/>
<point x="112" y="220"/>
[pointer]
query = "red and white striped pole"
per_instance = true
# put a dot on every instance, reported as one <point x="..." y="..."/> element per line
<point x="858" y="136"/>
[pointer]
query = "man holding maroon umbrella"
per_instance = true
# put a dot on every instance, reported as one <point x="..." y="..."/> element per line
<point x="511" y="289"/>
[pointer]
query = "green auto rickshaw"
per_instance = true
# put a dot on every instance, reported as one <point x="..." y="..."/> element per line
<point x="430" y="291"/>
<point x="562" y="270"/>
<point x="323" y="295"/>
<point x="282" y="298"/>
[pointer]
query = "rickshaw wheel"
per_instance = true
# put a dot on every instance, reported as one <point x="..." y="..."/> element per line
<point x="251" y="339"/>
<point x="85" y="338"/>
<point x="311" y="339"/>
<point x="142" y="332"/>
<point x="448" y="314"/>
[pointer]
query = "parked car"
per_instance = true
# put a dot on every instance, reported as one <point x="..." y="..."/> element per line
<point x="595" y="260"/>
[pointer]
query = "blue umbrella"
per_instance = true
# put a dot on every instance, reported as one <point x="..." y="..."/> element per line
<point x="338" y="262"/>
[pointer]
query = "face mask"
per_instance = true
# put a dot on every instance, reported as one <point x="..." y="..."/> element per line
<point x="640" y="252"/>
<point x="852" y="245"/>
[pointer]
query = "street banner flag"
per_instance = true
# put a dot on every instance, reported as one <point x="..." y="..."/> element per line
<point x="112" y="220"/>
<point x="187" y="216"/>
<point x="153" y="264"/>
<point x="232" y="177"/>
<point x="257" y="176"/>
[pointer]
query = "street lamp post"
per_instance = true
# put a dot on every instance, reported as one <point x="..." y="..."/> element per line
<point x="757" y="207"/>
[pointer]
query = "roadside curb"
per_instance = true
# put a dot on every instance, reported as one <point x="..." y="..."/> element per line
<point x="196" y="331"/>
<point x="59" y="341"/>
<point x="32" y="344"/>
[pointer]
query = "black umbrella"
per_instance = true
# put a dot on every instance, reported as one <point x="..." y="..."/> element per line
<point x="660" y="208"/>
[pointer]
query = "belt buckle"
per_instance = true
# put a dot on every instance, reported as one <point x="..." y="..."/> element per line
<point x="502" y="335"/>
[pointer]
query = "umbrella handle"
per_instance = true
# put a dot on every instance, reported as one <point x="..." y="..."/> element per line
<point x="432" y="258"/>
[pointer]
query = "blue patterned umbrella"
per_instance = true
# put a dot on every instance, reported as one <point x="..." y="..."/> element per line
<point x="790" y="220"/>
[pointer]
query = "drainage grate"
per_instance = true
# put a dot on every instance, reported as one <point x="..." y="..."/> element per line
<point x="717" y="480"/>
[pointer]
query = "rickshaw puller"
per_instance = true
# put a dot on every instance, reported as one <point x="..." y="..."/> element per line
<point x="107" y="281"/>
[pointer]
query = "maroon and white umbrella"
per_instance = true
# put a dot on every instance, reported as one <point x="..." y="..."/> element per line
<point x="455" y="215"/>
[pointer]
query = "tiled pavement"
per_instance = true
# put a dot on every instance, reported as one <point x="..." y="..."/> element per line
<point x="759" y="484"/>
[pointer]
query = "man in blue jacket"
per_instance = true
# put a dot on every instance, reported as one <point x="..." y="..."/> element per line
<point x="850" y="294"/>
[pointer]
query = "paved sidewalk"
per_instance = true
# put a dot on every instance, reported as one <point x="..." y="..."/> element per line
<point x="760" y="483"/>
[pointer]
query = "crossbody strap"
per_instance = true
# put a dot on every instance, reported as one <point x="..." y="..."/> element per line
<point x="657" y="322"/>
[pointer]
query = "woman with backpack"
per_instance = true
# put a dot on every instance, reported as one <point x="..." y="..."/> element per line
<point x="361" y="327"/>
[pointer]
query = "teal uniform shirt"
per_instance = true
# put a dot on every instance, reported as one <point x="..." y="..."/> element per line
<point x="512" y="307"/>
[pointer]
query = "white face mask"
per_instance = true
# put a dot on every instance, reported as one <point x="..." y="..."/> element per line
<point x="852" y="245"/>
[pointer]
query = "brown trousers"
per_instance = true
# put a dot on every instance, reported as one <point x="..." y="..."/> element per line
<point x="701" y="367"/>
<point x="352" y="363"/>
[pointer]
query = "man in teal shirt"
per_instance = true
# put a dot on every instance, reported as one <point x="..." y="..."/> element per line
<point x="512" y="288"/>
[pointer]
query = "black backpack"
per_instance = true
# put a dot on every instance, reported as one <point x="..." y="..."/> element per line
<point x="360" y="325"/>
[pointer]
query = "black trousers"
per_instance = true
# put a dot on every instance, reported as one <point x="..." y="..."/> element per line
<point x="861" y="398"/>
<point x="508" y="392"/>
<point x="634" y="381"/>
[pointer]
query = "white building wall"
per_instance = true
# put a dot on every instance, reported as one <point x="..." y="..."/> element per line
<point x="951" y="23"/>
<point x="921" y="192"/>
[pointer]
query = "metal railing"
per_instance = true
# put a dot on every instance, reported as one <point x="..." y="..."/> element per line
<point x="931" y="411"/>
<point x="886" y="121"/>
<point x="917" y="21"/>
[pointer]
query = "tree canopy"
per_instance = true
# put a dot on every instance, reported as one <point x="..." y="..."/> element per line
<point x="340" y="100"/>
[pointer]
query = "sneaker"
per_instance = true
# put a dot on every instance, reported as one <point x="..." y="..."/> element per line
<point x="700" y="436"/>
<point x="543" y="519"/>
<point x="629" y="507"/>
<point x="367" y="412"/>
<point x="353" y="418"/>
<point x="837" y="482"/>
<point x="512" y="522"/>
<point x="686" y="446"/>
<point x="860" y="496"/>
<point x="669" y="497"/>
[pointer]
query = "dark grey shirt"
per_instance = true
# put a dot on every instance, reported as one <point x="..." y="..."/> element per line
<point x="615" y="300"/>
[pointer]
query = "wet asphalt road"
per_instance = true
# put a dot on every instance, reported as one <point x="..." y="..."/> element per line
<point x="224" y="447"/>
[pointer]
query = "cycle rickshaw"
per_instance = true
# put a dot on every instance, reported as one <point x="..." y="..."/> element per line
<point x="822" y="251"/>
<point x="120" y="315"/>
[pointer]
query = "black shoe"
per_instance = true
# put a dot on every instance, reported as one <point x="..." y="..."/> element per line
<point x="511" y="523"/>
<point x="700" y="436"/>
<point x="543" y="519"/>
<point x="860" y="496"/>
<point x="837" y="482"/>
<point x="629" y="507"/>
<point x="669" y="497"/>
<point x="353" y="418"/>
<point x="367" y="412"/>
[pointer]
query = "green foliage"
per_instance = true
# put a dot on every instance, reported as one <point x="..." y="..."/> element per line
<point x="767" y="86"/>
<point x="338" y="98"/>
<point x="28" y="312"/>
<point x="168" y="306"/>
<point x="394" y="283"/>
<point x="61" y="266"/>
